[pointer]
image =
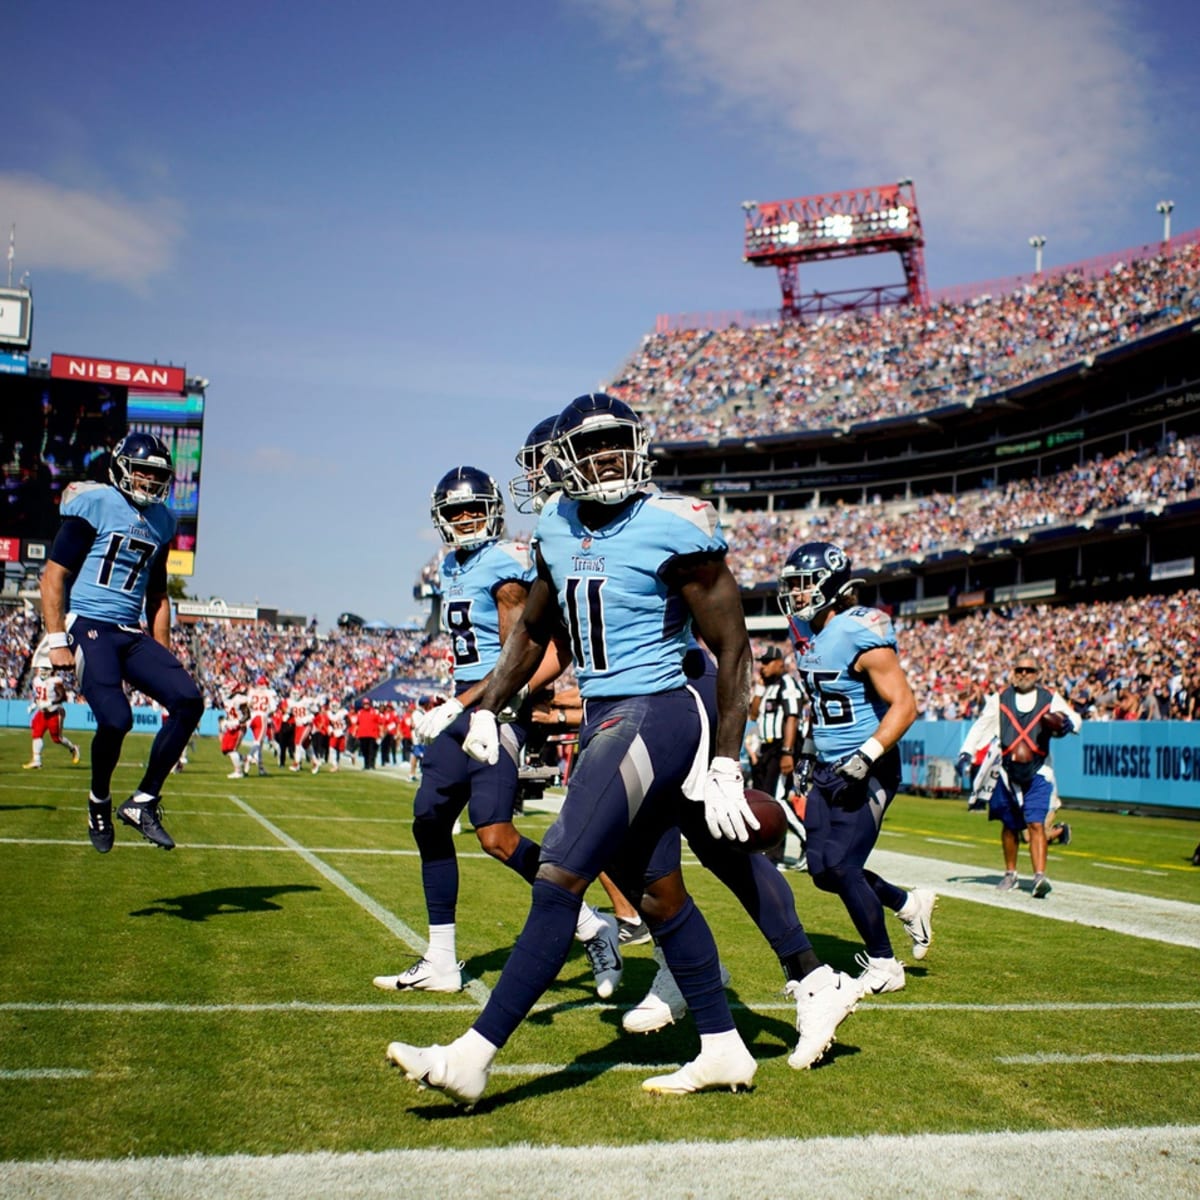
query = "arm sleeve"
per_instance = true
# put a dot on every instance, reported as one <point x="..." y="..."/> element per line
<point x="74" y="539"/>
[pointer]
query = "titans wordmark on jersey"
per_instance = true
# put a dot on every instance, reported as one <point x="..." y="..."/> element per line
<point x="111" y="583"/>
<point x="846" y="709"/>
<point x="469" y="611"/>
<point x="629" y="630"/>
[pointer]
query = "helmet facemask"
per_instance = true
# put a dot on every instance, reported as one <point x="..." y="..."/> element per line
<point x="604" y="459"/>
<point x="142" y="474"/>
<point x="468" y="511"/>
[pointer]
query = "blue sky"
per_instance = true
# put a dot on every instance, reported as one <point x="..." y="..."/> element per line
<point x="395" y="236"/>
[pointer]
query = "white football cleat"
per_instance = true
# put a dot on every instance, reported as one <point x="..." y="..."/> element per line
<point x="879" y="975"/>
<point x="824" y="1000"/>
<point x="443" y="1068"/>
<point x="422" y="976"/>
<point x="663" y="1004"/>
<point x="917" y="916"/>
<point x="604" y="954"/>
<point x="726" y="1065"/>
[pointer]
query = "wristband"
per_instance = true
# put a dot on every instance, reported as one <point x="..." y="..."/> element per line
<point x="562" y="716"/>
<point x="56" y="641"/>
<point x="871" y="749"/>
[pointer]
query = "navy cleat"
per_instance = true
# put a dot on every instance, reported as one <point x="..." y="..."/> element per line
<point x="100" y="824"/>
<point x="141" y="812"/>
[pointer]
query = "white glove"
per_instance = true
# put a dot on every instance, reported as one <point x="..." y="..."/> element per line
<point x="482" y="742"/>
<point x="725" y="809"/>
<point x="428" y="723"/>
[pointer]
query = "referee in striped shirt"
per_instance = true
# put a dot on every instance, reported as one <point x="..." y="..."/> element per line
<point x="776" y="706"/>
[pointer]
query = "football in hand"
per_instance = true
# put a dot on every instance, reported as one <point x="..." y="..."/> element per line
<point x="1054" y="723"/>
<point x="771" y="821"/>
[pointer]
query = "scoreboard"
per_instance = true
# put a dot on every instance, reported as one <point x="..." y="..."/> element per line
<point x="179" y="422"/>
<point x="60" y="423"/>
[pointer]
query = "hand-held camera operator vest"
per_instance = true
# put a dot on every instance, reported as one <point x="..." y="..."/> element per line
<point x="1024" y="743"/>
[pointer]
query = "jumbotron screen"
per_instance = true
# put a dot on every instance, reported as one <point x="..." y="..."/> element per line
<point x="179" y="422"/>
<point x="54" y="432"/>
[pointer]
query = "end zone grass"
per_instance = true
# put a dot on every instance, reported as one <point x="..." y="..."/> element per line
<point x="217" y="999"/>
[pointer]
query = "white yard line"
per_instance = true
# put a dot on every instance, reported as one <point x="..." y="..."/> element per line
<point x="367" y="903"/>
<point x="39" y="1073"/>
<point x="1157" y="1162"/>
<point x="1072" y="1060"/>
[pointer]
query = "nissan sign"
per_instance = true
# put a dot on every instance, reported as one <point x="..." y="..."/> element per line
<point x="146" y="377"/>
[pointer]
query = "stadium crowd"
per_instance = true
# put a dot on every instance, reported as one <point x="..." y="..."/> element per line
<point x="845" y="369"/>
<point x="916" y="528"/>
<point x="1125" y="660"/>
<point x="1132" y="659"/>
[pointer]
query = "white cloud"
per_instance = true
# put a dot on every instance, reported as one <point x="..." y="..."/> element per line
<point x="106" y="237"/>
<point x="1011" y="113"/>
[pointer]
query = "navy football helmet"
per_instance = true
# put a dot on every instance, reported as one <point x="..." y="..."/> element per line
<point x="540" y="475"/>
<point x="602" y="449"/>
<point x="141" y="469"/>
<point x="813" y="578"/>
<point x="463" y="492"/>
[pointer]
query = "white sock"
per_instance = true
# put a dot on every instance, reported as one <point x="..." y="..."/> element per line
<point x="71" y="747"/>
<point x="717" y="1042"/>
<point x="443" y="951"/>
<point x="589" y="924"/>
<point x="236" y="759"/>
<point x="37" y="749"/>
<point x="905" y="910"/>
<point x="475" y="1048"/>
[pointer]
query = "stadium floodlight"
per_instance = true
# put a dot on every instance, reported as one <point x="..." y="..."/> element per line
<point x="1037" y="242"/>
<point x="1165" y="207"/>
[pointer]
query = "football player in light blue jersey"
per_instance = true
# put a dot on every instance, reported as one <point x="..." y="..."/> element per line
<point x="862" y="706"/>
<point x="107" y="566"/>
<point x="628" y="571"/>
<point x="484" y="582"/>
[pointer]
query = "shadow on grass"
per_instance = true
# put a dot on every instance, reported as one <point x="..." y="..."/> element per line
<point x="221" y="902"/>
<point x="769" y="1037"/>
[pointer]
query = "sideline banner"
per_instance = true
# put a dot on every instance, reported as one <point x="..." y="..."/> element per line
<point x="16" y="713"/>
<point x="1119" y="762"/>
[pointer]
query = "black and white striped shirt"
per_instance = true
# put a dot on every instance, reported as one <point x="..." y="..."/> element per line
<point x="781" y="699"/>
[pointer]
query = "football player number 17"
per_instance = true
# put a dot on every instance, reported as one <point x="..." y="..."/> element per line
<point x="141" y="552"/>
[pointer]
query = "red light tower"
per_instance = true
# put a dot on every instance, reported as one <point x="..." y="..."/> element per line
<point x="784" y="233"/>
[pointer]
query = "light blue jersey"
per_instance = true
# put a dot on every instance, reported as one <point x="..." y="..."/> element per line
<point x="618" y="570"/>
<point x="846" y="710"/>
<point x="111" y="583"/>
<point x="469" y="611"/>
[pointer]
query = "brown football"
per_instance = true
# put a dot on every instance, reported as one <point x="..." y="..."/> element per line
<point x="1054" y="722"/>
<point x="771" y="819"/>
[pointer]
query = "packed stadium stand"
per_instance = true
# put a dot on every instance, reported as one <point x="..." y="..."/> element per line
<point x="1003" y="464"/>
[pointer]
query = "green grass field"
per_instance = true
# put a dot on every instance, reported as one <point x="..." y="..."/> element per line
<point x="217" y="1000"/>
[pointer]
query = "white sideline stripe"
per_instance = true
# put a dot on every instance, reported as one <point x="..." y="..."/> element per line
<point x="1174" y="921"/>
<point x="1074" y="1164"/>
<point x="1038" y="1060"/>
<point x="46" y="1073"/>
<point x="369" y="905"/>
<point x="870" y="1004"/>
